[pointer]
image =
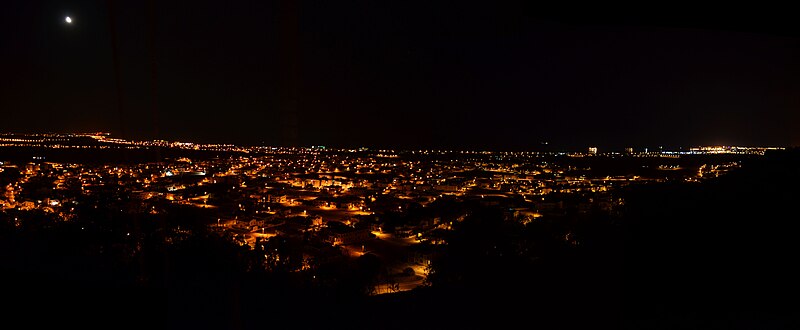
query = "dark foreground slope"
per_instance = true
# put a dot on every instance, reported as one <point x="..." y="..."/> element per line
<point x="717" y="255"/>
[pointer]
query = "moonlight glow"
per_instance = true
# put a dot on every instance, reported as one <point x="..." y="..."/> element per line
<point x="68" y="20"/>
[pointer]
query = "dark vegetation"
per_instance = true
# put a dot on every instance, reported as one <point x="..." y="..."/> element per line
<point x="716" y="255"/>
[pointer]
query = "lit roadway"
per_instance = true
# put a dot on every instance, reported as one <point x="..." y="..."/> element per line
<point x="392" y="251"/>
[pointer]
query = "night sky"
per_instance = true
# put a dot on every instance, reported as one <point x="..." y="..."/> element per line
<point x="412" y="75"/>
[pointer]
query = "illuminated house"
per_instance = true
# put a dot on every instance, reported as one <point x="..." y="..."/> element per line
<point x="341" y="234"/>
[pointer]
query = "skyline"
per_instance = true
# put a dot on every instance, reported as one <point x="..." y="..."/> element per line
<point x="542" y="147"/>
<point x="487" y="77"/>
<point x="106" y="139"/>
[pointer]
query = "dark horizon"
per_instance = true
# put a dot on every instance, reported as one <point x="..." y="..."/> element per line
<point x="411" y="76"/>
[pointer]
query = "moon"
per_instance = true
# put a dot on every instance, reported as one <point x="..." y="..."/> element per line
<point x="68" y="20"/>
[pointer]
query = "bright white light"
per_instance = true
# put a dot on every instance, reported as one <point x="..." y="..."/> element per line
<point x="69" y="20"/>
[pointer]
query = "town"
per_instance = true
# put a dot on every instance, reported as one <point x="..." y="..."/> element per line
<point x="336" y="203"/>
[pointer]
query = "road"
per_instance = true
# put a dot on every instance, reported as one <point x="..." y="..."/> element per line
<point x="393" y="251"/>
